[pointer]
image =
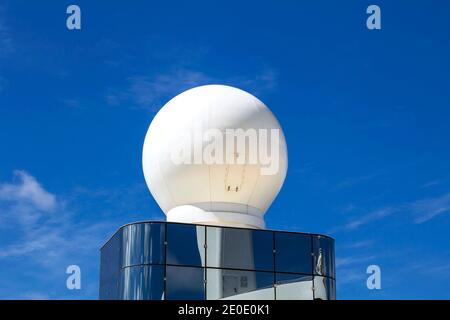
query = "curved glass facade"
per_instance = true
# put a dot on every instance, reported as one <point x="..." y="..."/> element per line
<point x="176" y="261"/>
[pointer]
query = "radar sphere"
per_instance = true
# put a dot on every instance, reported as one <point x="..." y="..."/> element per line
<point x="215" y="155"/>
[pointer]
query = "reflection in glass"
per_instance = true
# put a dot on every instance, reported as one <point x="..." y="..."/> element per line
<point x="184" y="283"/>
<point x="239" y="284"/>
<point x="239" y="248"/>
<point x="294" y="287"/>
<point x="293" y="252"/>
<point x="110" y="268"/>
<point x="143" y="243"/>
<point x="323" y="256"/>
<point x="324" y="288"/>
<point x="185" y="244"/>
<point x="142" y="283"/>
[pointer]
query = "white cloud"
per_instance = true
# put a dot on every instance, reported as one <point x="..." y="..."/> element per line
<point x="44" y="236"/>
<point x="359" y="244"/>
<point x="422" y="211"/>
<point x="150" y="92"/>
<point x="351" y="275"/>
<point x="368" y="218"/>
<point x="432" y="183"/>
<point x="351" y="260"/>
<point x="350" y="182"/>
<point x="145" y="92"/>
<point x="70" y="102"/>
<point x="427" y="209"/>
<point x="266" y="80"/>
<point x="352" y="269"/>
<point x="25" y="190"/>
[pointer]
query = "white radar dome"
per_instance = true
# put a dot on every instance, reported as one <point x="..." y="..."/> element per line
<point x="215" y="155"/>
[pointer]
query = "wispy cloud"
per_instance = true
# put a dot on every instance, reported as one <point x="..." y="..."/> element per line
<point x="27" y="189"/>
<point x="265" y="80"/>
<point x="431" y="184"/>
<point x="303" y="168"/>
<point x="427" y="209"/>
<point x="352" y="269"/>
<point x="70" y="102"/>
<point x="352" y="260"/>
<point x="433" y="267"/>
<point x="145" y="92"/>
<point x="350" y="275"/>
<point x="6" y="41"/>
<point x="6" y="44"/>
<point x="359" y="221"/>
<point x="25" y="199"/>
<point x="44" y="220"/>
<point x="359" y="244"/>
<point x="47" y="235"/>
<point x="350" y="208"/>
<point x="150" y="92"/>
<point x="430" y="265"/>
<point x="351" y="181"/>
<point x="422" y="210"/>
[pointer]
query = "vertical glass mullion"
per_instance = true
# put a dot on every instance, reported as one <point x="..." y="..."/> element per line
<point x="165" y="260"/>
<point x="274" y="250"/>
<point x="313" y="258"/>
<point x="205" y="270"/>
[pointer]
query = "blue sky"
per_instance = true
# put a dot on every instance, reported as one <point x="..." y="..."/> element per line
<point x="365" y="113"/>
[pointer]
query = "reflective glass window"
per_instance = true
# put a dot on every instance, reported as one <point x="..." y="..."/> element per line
<point x="143" y="243"/>
<point x="323" y="256"/>
<point x="110" y="268"/>
<point x="293" y="252"/>
<point x="185" y="283"/>
<point x="239" y="284"/>
<point x="255" y="248"/>
<point x="324" y="288"/>
<point x="185" y="244"/>
<point x="142" y="283"/>
<point x="294" y="287"/>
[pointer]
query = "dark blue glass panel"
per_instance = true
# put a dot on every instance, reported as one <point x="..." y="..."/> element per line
<point x="323" y="256"/>
<point x="293" y="253"/>
<point x="185" y="244"/>
<point x="239" y="248"/>
<point x="143" y="243"/>
<point x="332" y="289"/>
<point x="142" y="283"/>
<point x="185" y="283"/>
<point x="110" y="268"/>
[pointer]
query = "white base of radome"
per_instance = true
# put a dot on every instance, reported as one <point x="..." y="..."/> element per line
<point x="198" y="214"/>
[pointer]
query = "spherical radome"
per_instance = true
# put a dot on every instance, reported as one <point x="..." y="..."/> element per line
<point x="215" y="155"/>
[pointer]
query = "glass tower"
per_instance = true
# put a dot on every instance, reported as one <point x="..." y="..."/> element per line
<point x="176" y="261"/>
